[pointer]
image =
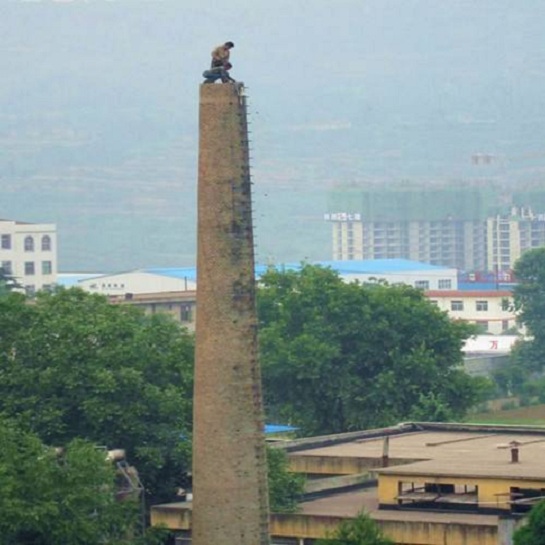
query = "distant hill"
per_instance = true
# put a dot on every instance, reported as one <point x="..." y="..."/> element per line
<point x="99" y="108"/>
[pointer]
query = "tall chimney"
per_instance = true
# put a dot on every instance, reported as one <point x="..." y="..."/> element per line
<point x="230" y="498"/>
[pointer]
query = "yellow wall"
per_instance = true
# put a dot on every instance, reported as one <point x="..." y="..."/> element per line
<point x="402" y="532"/>
<point x="492" y="493"/>
<point x="337" y="465"/>
<point x="430" y="533"/>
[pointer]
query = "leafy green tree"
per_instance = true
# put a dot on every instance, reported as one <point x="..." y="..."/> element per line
<point x="72" y="365"/>
<point x="361" y="530"/>
<point x="533" y="532"/>
<point x="342" y="356"/>
<point x="7" y="282"/>
<point x="48" y="498"/>
<point x="529" y="300"/>
<point x="285" y="488"/>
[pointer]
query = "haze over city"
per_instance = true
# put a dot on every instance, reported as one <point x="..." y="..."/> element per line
<point x="98" y="112"/>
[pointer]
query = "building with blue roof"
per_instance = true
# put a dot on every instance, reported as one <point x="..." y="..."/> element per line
<point x="175" y="279"/>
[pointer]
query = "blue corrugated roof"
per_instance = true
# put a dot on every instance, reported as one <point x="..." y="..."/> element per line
<point x="69" y="280"/>
<point x="484" y="286"/>
<point x="278" y="428"/>
<point x="378" y="266"/>
<point x="369" y="266"/>
<point x="175" y="272"/>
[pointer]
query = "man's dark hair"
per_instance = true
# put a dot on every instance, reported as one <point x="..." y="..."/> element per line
<point x="229" y="44"/>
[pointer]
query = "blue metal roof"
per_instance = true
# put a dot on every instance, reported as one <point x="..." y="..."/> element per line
<point x="379" y="266"/>
<point x="278" y="428"/>
<point x="69" y="280"/>
<point x="189" y="273"/>
<point x="485" y="286"/>
<point x="369" y="266"/>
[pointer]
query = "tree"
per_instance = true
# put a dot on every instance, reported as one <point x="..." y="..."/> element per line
<point x="285" y="488"/>
<point x="342" y="356"/>
<point x="529" y="300"/>
<point x="533" y="532"/>
<point x="47" y="498"/>
<point x="361" y="530"/>
<point x="74" y="366"/>
<point x="7" y="282"/>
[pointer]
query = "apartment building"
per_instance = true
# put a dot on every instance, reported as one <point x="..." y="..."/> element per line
<point x="28" y="252"/>
<point x="510" y="235"/>
<point x="471" y="227"/>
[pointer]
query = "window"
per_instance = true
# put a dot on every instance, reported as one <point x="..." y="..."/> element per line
<point x="6" y="242"/>
<point x="46" y="243"/>
<point x="29" y="268"/>
<point x="185" y="313"/>
<point x="46" y="267"/>
<point x="29" y="244"/>
<point x="445" y="284"/>
<point x="482" y="326"/>
<point x="422" y="284"/>
<point x="456" y="306"/>
<point x="481" y="306"/>
<point x="6" y="267"/>
<point x="523" y="499"/>
<point x="30" y="289"/>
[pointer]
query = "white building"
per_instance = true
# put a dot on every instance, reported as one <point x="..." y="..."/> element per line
<point x="396" y="271"/>
<point x="490" y="309"/>
<point x="141" y="281"/>
<point x="28" y="252"/>
<point x="159" y="280"/>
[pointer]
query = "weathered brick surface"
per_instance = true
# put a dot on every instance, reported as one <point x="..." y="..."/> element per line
<point x="229" y="470"/>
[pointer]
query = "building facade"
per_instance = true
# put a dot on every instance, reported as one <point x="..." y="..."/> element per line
<point x="510" y="235"/>
<point x="28" y="253"/>
<point x="492" y="310"/>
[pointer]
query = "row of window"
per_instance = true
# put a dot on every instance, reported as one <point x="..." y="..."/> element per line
<point x="442" y="284"/>
<point x="30" y="289"/>
<point x="6" y="243"/>
<point x="30" y="267"/>
<point x="480" y="306"/>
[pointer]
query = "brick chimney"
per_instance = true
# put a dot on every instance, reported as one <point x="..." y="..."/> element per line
<point x="230" y="498"/>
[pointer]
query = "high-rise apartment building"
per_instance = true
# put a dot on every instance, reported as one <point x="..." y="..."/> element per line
<point x="472" y="228"/>
<point x="441" y="226"/>
<point x="28" y="252"/>
<point x="510" y="235"/>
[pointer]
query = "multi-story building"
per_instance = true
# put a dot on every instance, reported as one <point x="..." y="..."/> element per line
<point x="469" y="227"/>
<point x="490" y="309"/>
<point x="510" y="235"/>
<point x="28" y="252"/>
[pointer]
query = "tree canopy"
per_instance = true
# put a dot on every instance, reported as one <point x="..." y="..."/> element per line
<point x="7" y="282"/>
<point x="342" y="356"/>
<point x="285" y="488"/>
<point x="529" y="298"/>
<point x="47" y="498"/>
<point x="72" y="365"/>
<point x="361" y="530"/>
<point x="533" y="532"/>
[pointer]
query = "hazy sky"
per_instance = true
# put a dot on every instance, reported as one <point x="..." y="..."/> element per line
<point x="100" y="98"/>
